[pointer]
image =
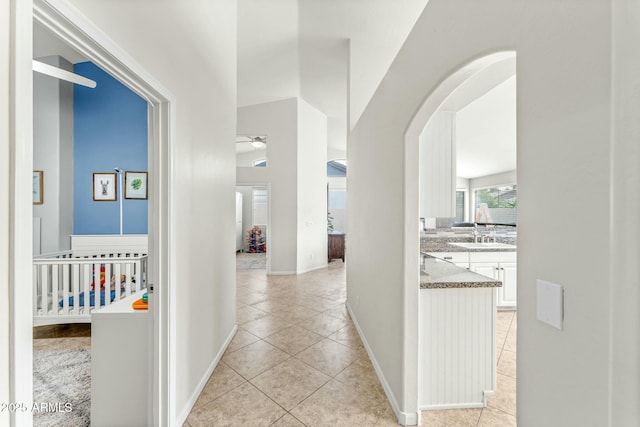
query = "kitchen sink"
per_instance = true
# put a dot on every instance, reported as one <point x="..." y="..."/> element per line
<point x="487" y="245"/>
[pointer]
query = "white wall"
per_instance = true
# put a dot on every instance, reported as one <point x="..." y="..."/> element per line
<point x="295" y="175"/>
<point x="312" y="188"/>
<point x="564" y="142"/>
<point x="504" y="178"/>
<point x="247" y="159"/>
<point x="486" y="132"/>
<point x="53" y="154"/>
<point x="277" y="120"/>
<point x="5" y="205"/>
<point x="190" y="47"/>
<point x="625" y="270"/>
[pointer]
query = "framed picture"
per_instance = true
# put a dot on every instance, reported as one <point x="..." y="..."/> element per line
<point x="104" y="187"/>
<point x="38" y="188"/>
<point x="135" y="185"/>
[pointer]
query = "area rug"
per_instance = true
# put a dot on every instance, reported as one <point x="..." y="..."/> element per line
<point x="62" y="388"/>
<point x="248" y="261"/>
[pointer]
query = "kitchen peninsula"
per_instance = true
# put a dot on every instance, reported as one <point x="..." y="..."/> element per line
<point x="457" y="349"/>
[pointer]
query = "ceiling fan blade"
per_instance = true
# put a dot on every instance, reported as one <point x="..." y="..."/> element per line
<point x="61" y="74"/>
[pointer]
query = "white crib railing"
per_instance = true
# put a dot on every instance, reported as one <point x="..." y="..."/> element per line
<point x="66" y="288"/>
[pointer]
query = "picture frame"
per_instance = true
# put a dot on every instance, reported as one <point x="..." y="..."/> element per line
<point x="105" y="187"/>
<point x="38" y="187"/>
<point x="135" y="185"/>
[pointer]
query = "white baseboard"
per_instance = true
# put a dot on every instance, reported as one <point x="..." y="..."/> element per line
<point x="280" y="273"/>
<point x="452" y="406"/>
<point x="194" y="397"/>
<point x="307" y="270"/>
<point x="293" y="273"/>
<point x="404" y="418"/>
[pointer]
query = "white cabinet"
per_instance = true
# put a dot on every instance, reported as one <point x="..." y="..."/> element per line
<point x="120" y="365"/>
<point x="507" y="294"/>
<point x="497" y="265"/>
<point x="457" y="347"/>
<point x="503" y="268"/>
<point x="461" y="259"/>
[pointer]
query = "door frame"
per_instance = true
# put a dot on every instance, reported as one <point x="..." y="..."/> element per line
<point x="76" y="30"/>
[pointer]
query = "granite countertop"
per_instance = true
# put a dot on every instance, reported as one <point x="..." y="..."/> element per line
<point x="438" y="274"/>
<point x="441" y="242"/>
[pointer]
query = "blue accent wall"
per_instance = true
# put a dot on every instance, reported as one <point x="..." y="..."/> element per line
<point x="110" y="130"/>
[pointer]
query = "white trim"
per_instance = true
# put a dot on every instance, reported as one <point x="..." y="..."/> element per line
<point x="307" y="270"/>
<point x="20" y="81"/>
<point x="456" y="406"/>
<point x="205" y="378"/>
<point x="404" y="418"/>
<point x="281" y="273"/>
<point x="74" y="29"/>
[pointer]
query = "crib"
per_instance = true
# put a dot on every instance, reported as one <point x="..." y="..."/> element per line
<point x="68" y="285"/>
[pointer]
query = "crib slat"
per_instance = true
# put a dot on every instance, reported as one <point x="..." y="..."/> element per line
<point x="66" y="279"/>
<point x="107" y="284"/>
<point x="44" y="288"/>
<point x="86" y="281"/>
<point x="129" y="273"/>
<point x="116" y="274"/>
<point x="138" y="273"/>
<point x="54" y="290"/>
<point x="97" y="287"/>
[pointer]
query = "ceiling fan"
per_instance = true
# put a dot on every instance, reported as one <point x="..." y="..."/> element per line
<point x="61" y="74"/>
<point x="256" y="141"/>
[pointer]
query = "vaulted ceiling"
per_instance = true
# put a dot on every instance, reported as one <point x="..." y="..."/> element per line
<point x="333" y="54"/>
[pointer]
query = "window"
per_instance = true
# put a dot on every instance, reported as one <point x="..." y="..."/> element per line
<point x="260" y="207"/>
<point x="460" y="206"/>
<point x="260" y="163"/>
<point x="496" y="205"/>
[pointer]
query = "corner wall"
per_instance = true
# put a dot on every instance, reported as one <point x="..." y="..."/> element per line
<point x="53" y="155"/>
<point x="564" y="112"/>
<point x="278" y="121"/>
<point x="190" y="48"/>
<point x="296" y="171"/>
<point x="312" y="188"/>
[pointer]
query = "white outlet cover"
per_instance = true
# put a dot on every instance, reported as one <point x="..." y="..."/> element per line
<point x="550" y="303"/>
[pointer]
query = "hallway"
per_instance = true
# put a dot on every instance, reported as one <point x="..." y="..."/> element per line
<point x="297" y="360"/>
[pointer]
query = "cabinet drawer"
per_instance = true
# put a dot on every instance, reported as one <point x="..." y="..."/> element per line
<point x="492" y="257"/>
<point x="455" y="257"/>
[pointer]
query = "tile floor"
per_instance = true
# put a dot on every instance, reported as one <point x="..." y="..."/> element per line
<point x="297" y="360"/>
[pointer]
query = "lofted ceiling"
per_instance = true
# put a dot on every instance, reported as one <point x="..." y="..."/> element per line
<point x="333" y="54"/>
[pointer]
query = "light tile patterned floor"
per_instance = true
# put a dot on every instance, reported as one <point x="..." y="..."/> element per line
<point x="297" y="360"/>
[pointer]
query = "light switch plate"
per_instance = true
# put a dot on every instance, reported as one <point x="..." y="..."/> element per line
<point x="550" y="303"/>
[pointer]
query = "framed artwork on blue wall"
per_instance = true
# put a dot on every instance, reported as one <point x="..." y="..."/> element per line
<point x="135" y="185"/>
<point x="38" y="189"/>
<point x="104" y="187"/>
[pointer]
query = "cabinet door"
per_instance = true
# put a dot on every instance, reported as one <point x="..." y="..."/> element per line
<point x="509" y="277"/>
<point x="489" y="269"/>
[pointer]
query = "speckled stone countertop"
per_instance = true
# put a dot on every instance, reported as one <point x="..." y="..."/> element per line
<point x="440" y="242"/>
<point x="438" y="274"/>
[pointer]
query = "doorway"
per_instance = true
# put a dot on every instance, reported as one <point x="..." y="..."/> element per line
<point x="252" y="227"/>
<point x="412" y="194"/>
<point x="75" y="31"/>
